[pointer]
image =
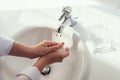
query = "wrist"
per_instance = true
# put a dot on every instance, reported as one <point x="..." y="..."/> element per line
<point x="41" y="63"/>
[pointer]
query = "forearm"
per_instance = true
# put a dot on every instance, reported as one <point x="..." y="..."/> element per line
<point x="20" y="50"/>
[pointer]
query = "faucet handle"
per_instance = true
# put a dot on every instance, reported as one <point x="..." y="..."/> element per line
<point x="66" y="11"/>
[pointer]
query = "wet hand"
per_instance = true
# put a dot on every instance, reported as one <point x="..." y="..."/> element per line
<point x="53" y="57"/>
<point x="45" y="47"/>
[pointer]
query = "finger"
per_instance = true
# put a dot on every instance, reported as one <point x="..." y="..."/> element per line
<point x="67" y="49"/>
<point x="53" y="48"/>
<point x="51" y="43"/>
<point x="66" y="53"/>
<point x="54" y="43"/>
<point x="60" y="45"/>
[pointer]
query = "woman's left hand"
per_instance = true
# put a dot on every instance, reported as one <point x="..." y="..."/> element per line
<point x="44" y="48"/>
<point x="34" y="51"/>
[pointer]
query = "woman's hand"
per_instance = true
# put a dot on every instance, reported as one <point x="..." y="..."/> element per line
<point x="37" y="50"/>
<point x="44" y="48"/>
<point x="56" y="56"/>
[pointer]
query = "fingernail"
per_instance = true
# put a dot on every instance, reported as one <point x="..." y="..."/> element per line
<point x="62" y="42"/>
<point x="67" y="49"/>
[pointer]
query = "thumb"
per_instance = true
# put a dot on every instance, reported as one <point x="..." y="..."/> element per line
<point x="56" y="47"/>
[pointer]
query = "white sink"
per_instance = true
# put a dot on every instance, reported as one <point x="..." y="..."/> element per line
<point x="73" y="67"/>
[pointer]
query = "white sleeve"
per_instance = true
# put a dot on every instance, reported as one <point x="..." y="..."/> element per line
<point x="5" y="45"/>
<point x="22" y="77"/>
<point x="29" y="73"/>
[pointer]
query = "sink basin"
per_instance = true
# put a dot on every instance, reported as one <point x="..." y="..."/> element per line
<point x="73" y="67"/>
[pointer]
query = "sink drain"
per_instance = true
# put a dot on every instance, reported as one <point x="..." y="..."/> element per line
<point x="46" y="70"/>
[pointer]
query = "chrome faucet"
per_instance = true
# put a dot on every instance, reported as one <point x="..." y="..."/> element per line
<point x="68" y="20"/>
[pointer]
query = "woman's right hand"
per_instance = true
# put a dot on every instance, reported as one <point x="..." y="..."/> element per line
<point x="56" y="56"/>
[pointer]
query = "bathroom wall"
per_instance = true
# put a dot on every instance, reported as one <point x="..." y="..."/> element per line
<point x="112" y="2"/>
<point x="8" y="21"/>
<point x="38" y="4"/>
<point x="11" y="21"/>
<point x="10" y="10"/>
